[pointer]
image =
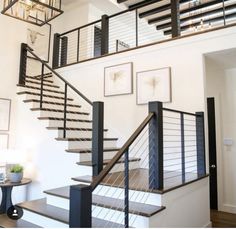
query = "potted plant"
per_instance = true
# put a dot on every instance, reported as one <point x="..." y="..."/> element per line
<point x="16" y="174"/>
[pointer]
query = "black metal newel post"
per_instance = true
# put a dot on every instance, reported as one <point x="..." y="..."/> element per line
<point x="175" y="18"/>
<point x="105" y="35"/>
<point x="64" y="50"/>
<point x="126" y="189"/>
<point x="182" y="146"/>
<point x="65" y="111"/>
<point x="56" y="50"/>
<point x="97" y="137"/>
<point x="23" y="64"/>
<point x="80" y="206"/>
<point x="41" y="87"/>
<point x="156" y="167"/>
<point x="200" y="132"/>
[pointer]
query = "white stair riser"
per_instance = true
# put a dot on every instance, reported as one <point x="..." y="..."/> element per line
<point x="61" y="114"/>
<point x="116" y="168"/>
<point x="56" y="123"/>
<point x="44" y="86"/>
<point x="42" y="221"/>
<point x="54" y="106"/>
<point x="45" y="98"/>
<point x="33" y="90"/>
<point x="78" y="134"/>
<point x="88" y="156"/>
<point x="114" y="215"/>
<point x="88" y="144"/>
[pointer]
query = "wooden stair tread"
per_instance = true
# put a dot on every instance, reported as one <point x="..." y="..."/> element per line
<point x="6" y="222"/>
<point x="72" y="129"/>
<point x="59" y="111"/>
<point x="39" y="79"/>
<point x="42" y="208"/>
<point x="50" y="102"/>
<point x="105" y="162"/>
<point x="38" y="83"/>
<point x="137" y="208"/>
<point x="37" y="88"/>
<point x="62" y="119"/>
<point x="141" y="176"/>
<point x="90" y="151"/>
<point x="38" y="94"/>
<point x="46" y="75"/>
<point x="84" y="139"/>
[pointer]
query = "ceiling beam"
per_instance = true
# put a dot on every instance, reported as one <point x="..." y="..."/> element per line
<point x="196" y="16"/>
<point x="188" y="10"/>
<point x="212" y="20"/>
<point x="121" y="1"/>
<point x="159" y="9"/>
<point x="143" y="4"/>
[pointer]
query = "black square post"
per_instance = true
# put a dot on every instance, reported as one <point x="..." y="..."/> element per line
<point x="56" y="50"/>
<point x="97" y="137"/>
<point x="64" y="50"/>
<point x="105" y="35"/>
<point x="156" y="169"/>
<point x="200" y="137"/>
<point x="23" y="64"/>
<point x="182" y="146"/>
<point x="80" y="206"/>
<point x="175" y="18"/>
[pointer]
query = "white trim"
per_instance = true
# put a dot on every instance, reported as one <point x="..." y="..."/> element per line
<point x="208" y="225"/>
<point x="229" y="208"/>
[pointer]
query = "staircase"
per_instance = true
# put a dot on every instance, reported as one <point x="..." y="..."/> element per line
<point x="127" y="187"/>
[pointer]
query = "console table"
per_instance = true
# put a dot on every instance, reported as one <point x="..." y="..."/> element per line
<point x="7" y="193"/>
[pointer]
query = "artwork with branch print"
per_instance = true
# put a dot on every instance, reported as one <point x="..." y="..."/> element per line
<point x="118" y="80"/>
<point x="154" y="85"/>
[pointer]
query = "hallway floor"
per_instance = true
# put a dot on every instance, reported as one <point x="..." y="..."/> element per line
<point x="223" y="219"/>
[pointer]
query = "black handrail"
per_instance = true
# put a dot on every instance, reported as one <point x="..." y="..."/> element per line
<point x="97" y="180"/>
<point x="30" y="50"/>
<point x="181" y="112"/>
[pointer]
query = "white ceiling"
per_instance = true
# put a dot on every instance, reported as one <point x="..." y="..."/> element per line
<point x="225" y="59"/>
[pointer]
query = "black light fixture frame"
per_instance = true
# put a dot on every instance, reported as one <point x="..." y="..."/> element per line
<point x="38" y="22"/>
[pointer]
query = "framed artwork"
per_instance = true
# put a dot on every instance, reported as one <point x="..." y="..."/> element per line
<point x="154" y="85"/>
<point x="4" y="141"/>
<point x="118" y="80"/>
<point x="120" y="46"/>
<point x="5" y="110"/>
<point x="39" y="39"/>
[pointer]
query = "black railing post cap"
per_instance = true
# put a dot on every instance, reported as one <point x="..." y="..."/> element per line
<point x="80" y="187"/>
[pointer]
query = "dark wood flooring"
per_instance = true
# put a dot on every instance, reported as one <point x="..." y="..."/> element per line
<point x="223" y="219"/>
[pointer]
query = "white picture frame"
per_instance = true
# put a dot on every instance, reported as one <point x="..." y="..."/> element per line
<point x="5" y="111"/>
<point x="38" y="38"/>
<point x="4" y="141"/>
<point x="154" y="85"/>
<point x="118" y="79"/>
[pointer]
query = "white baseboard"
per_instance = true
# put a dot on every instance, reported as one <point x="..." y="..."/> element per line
<point x="229" y="208"/>
<point x="208" y="225"/>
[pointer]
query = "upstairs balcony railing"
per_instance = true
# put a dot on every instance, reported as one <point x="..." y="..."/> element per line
<point x="146" y="23"/>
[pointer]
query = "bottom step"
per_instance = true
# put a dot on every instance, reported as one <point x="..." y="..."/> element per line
<point x="6" y="222"/>
<point x="51" y="216"/>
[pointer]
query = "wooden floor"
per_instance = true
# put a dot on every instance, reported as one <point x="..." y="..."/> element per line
<point x="223" y="219"/>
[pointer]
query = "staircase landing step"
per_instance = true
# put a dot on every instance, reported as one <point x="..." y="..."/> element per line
<point x="6" y="222"/>
<point x="142" y="209"/>
<point x="105" y="162"/>
<point x="61" y="215"/>
<point x="83" y="139"/>
<point x="90" y="151"/>
<point x="141" y="176"/>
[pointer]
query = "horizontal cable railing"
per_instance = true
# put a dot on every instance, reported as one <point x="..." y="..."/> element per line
<point x="140" y="25"/>
<point x="165" y="152"/>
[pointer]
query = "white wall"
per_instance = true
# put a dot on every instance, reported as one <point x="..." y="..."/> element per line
<point x="220" y="84"/>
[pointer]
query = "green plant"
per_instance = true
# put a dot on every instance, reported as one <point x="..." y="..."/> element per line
<point x="17" y="169"/>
